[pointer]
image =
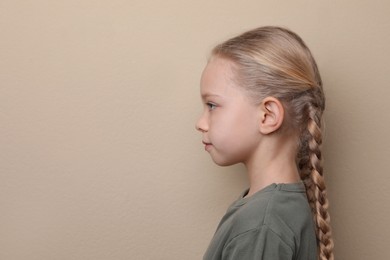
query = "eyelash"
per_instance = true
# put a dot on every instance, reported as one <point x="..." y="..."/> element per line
<point x="211" y="106"/>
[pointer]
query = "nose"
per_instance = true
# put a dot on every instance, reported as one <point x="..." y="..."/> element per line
<point x="201" y="125"/>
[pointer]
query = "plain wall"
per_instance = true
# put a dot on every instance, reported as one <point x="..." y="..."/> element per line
<point x="99" y="158"/>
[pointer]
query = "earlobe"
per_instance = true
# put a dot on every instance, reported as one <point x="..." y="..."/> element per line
<point x="272" y="115"/>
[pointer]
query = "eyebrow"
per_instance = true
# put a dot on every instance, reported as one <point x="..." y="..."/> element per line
<point x="206" y="95"/>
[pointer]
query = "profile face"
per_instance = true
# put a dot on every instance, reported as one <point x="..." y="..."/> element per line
<point x="229" y="122"/>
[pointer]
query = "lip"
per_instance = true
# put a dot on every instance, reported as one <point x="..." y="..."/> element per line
<point x="207" y="146"/>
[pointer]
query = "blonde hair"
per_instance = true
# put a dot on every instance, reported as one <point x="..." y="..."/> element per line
<point x="273" y="61"/>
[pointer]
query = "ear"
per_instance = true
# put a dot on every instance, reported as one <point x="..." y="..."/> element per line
<point x="272" y="115"/>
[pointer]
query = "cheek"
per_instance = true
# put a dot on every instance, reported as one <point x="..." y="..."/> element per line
<point x="218" y="132"/>
<point x="233" y="128"/>
<point x="244" y="130"/>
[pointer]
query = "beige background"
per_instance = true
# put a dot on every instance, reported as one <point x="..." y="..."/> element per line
<point x="99" y="158"/>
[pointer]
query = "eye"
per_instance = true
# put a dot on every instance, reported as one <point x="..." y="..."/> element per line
<point x="211" y="106"/>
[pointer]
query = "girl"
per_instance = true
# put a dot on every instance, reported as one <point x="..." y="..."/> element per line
<point x="263" y="103"/>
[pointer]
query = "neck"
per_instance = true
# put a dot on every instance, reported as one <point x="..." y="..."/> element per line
<point x="269" y="165"/>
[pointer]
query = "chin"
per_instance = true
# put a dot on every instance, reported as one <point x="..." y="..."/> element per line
<point x="221" y="162"/>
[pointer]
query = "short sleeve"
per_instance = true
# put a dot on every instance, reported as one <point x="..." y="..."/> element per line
<point x="259" y="244"/>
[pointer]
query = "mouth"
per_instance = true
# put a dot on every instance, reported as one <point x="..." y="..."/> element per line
<point x="207" y="146"/>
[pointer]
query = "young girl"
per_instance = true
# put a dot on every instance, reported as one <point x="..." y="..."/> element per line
<point x="263" y="103"/>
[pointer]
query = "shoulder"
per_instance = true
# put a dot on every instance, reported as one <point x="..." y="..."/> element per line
<point x="280" y="211"/>
<point x="259" y="243"/>
<point x="274" y="223"/>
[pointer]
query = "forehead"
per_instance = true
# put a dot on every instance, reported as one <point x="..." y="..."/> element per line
<point x="217" y="77"/>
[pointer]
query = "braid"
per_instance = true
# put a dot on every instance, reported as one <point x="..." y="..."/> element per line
<point x="311" y="169"/>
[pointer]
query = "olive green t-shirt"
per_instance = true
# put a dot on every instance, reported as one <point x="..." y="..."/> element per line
<point x="274" y="223"/>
